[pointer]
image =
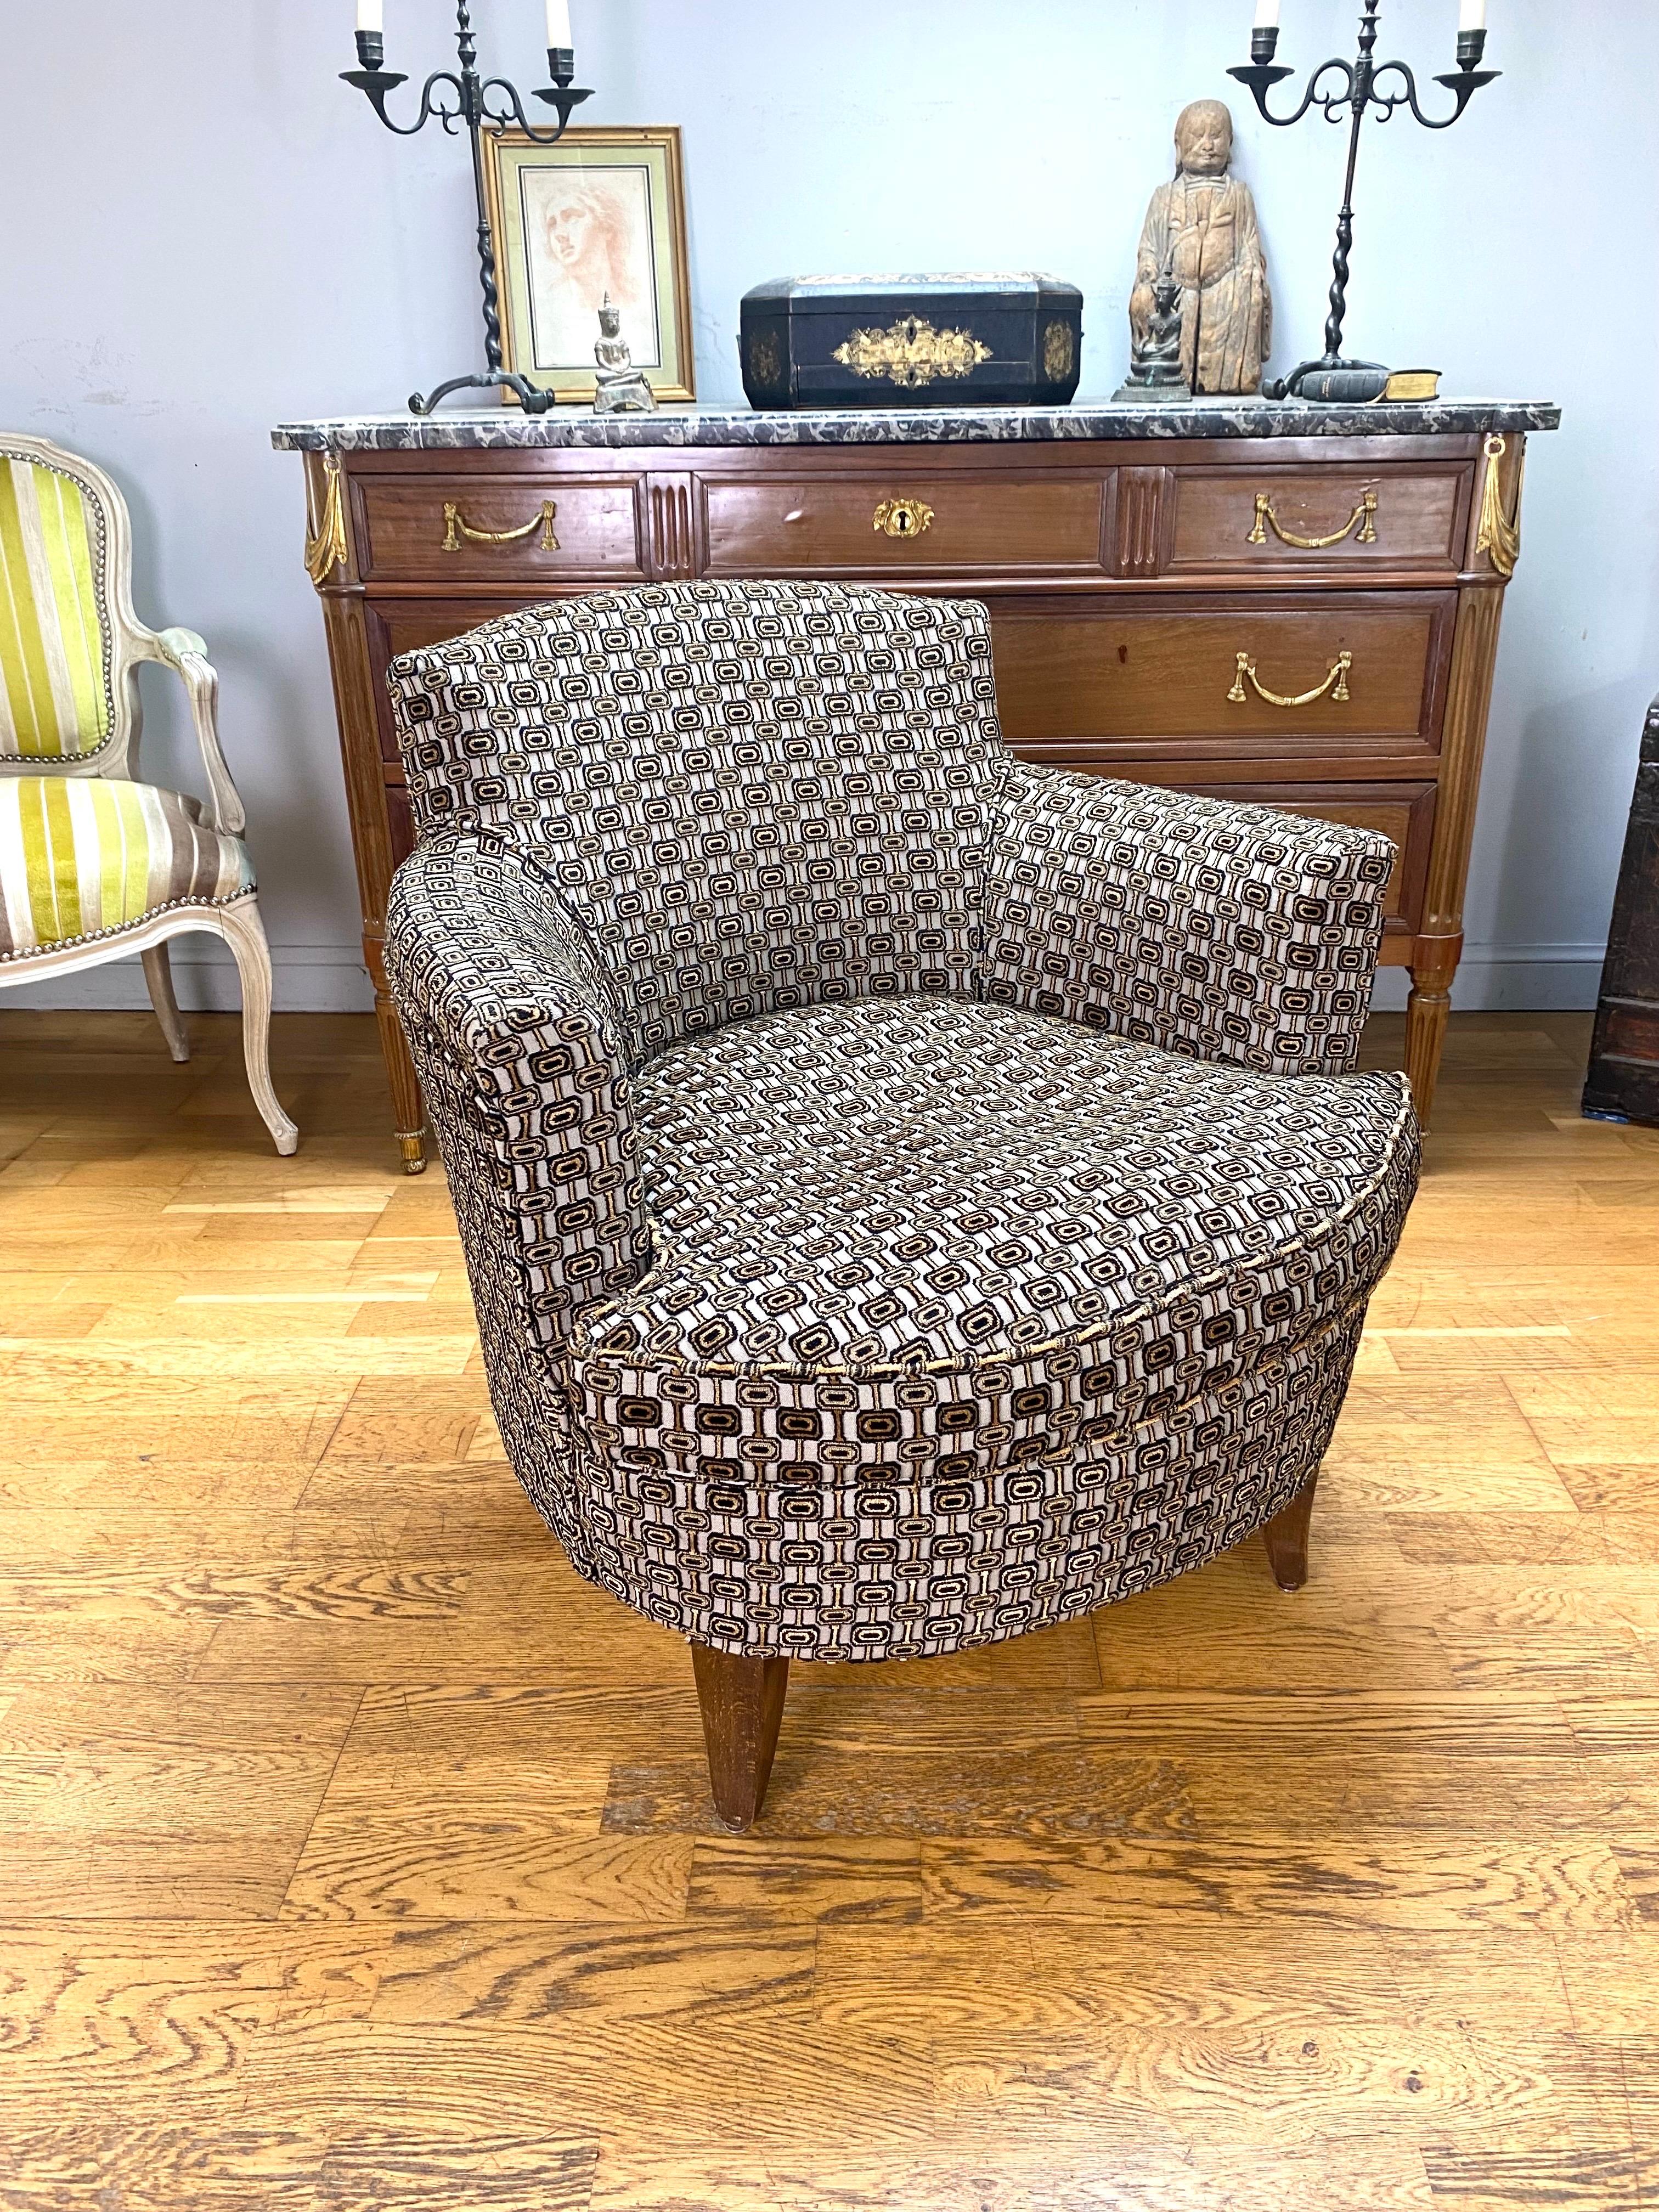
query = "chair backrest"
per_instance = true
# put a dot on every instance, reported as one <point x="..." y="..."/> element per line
<point x="64" y="565"/>
<point x="755" y="795"/>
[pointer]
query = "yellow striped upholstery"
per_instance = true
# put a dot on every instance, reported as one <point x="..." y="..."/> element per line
<point x="55" y="698"/>
<point x="83" y="855"/>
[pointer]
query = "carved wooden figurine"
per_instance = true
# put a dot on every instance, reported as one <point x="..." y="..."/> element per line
<point x="1202" y="224"/>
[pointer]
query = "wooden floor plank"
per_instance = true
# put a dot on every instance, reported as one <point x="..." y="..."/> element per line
<point x="1573" y="1888"/>
<point x="1289" y="1725"/>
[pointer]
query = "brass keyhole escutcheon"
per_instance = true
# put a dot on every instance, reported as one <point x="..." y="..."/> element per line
<point x="903" y="518"/>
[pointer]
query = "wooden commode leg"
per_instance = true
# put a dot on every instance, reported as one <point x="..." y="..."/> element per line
<point x="1286" y="1537"/>
<point x="1439" y="944"/>
<point x="1434" y="963"/>
<point x="408" y="1107"/>
<point x="742" y="1702"/>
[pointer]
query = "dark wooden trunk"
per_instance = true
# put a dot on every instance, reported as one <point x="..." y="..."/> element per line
<point x="1622" y="1084"/>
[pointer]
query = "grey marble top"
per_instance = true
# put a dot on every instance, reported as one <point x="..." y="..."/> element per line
<point x="862" y="426"/>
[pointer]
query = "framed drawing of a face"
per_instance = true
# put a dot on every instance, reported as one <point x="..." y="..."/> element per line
<point x="601" y="211"/>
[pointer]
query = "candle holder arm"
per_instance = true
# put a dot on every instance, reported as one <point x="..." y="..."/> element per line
<point x="509" y="110"/>
<point x="1463" y="84"/>
<point x="376" y="84"/>
<point x="1262" y="76"/>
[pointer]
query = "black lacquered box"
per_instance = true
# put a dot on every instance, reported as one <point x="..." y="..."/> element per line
<point x="912" y="342"/>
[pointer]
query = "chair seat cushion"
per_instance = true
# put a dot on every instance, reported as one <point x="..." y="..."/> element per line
<point x="83" y="856"/>
<point x="953" y="1235"/>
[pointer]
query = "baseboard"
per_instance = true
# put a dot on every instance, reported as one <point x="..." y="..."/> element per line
<point x="307" y="979"/>
<point x="1511" y="978"/>
<point x="330" y="979"/>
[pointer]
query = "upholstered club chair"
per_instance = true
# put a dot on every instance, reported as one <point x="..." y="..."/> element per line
<point x="911" y="1197"/>
<point x="94" y="864"/>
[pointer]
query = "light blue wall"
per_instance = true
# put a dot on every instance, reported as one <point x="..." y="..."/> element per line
<point x="207" y="232"/>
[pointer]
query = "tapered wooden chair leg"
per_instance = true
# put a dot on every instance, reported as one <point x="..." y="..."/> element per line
<point x="742" y="1702"/>
<point x="1286" y="1537"/>
<point x="158" y="974"/>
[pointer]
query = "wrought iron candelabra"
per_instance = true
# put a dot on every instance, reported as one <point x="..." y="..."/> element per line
<point x="1360" y="90"/>
<point x="482" y="104"/>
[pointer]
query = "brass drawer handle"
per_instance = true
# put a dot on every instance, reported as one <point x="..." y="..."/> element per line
<point x="905" y="518"/>
<point x="456" y="526"/>
<point x="1364" y="514"/>
<point x="1336" y="683"/>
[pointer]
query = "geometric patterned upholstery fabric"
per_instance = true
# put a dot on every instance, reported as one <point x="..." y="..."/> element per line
<point x="754" y="799"/>
<point x="931" y="1205"/>
<point x="1225" y="932"/>
<point x="918" y="1186"/>
<point x="82" y="856"/>
<point x="56" y="700"/>
<point x="514" y="995"/>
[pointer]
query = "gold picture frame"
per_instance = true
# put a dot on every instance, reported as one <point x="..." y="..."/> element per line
<point x="602" y="209"/>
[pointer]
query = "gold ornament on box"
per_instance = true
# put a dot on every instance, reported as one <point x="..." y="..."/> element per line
<point x="765" y="362"/>
<point x="912" y="352"/>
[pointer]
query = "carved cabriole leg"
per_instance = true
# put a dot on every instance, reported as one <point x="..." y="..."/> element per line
<point x="742" y="1703"/>
<point x="158" y="974"/>
<point x="244" y="934"/>
<point x="1439" y="942"/>
<point x="1286" y="1537"/>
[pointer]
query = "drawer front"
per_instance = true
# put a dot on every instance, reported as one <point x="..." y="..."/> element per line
<point x="476" y="528"/>
<point x="897" y="520"/>
<point x="1318" y="520"/>
<point x="1342" y="674"/>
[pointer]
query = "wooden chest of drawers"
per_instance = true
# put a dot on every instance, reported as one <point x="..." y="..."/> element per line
<point x="1308" y="620"/>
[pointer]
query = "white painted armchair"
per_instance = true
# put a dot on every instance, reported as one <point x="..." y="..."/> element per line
<point x="94" y="864"/>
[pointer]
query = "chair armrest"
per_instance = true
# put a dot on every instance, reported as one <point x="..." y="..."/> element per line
<point x="516" y="1033"/>
<point x="185" y="654"/>
<point x="1224" y="933"/>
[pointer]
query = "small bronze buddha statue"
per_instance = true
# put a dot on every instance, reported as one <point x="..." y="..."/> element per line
<point x="1155" y="366"/>
<point x="621" y="389"/>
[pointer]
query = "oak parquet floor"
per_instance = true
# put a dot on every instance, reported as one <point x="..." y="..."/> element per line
<point x="354" y="1853"/>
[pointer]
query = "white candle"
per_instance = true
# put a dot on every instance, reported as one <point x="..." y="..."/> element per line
<point x="370" y="15"/>
<point x="558" y="23"/>
<point x="1266" y="15"/>
<point x="1472" y="15"/>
